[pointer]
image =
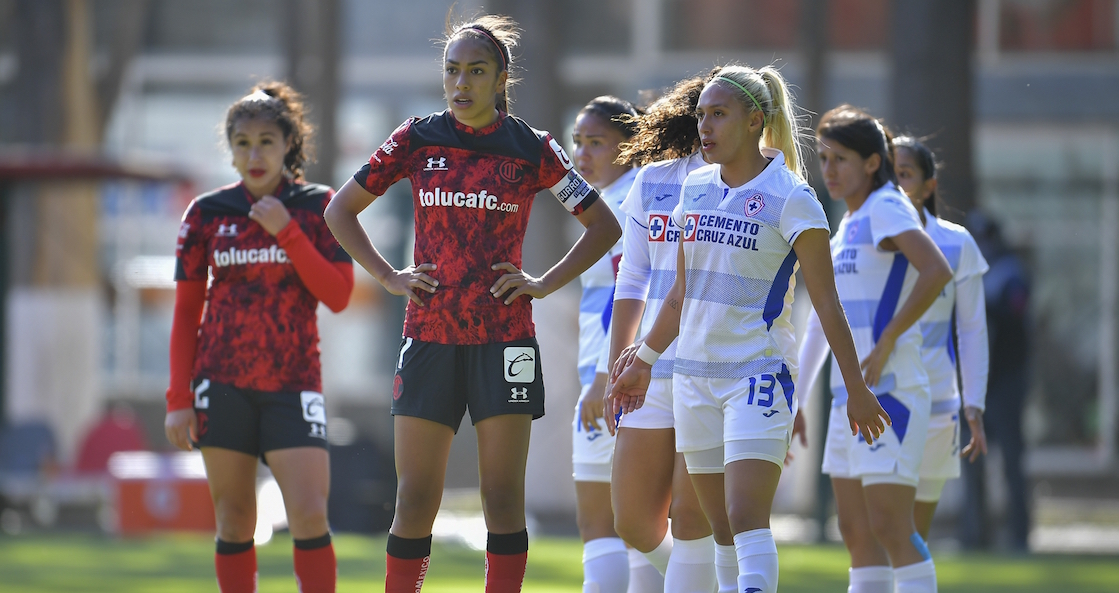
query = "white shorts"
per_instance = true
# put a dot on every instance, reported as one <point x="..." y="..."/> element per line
<point x="710" y="412"/>
<point x="895" y="458"/>
<point x="941" y="460"/>
<point x="592" y="453"/>
<point x="656" y="412"/>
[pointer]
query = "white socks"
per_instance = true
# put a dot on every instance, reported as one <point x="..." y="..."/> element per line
<point x="871" y="579"/>
<point x="916" y="578"/>
<point x="643" y="576"/>
<point x="691" y="567"/>
<point x="726" y="568"/>
<point x="659" y="556"/>
<point x="757" y="561"/>
<point x="605" y="566"/>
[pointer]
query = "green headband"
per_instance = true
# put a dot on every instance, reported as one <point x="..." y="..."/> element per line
<point x="743" y="89"/>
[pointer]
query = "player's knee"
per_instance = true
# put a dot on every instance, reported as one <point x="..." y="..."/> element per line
<point x="308" y="515"/>
<point x="415" y="500"/>
<point x="641" y="534"/>
<point x="236" y="520"/>
<point x="744" y="515"/>
<point x="890" y="529"/>
<point x="498" y="501"/>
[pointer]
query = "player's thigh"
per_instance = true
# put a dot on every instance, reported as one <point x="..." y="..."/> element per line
<point x="502" y="458"/>
<point x="232" y="478"/>
<point x="303" y="474"/>
<point x="688" y="520"/>
<point x="641" y="484"/>
<point x="750" y="486"/>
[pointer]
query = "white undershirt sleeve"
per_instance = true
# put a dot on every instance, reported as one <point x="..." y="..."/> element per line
<point x="635" y="269"/>
<point x="813" y="353"/>
<point x="971" y="328"/>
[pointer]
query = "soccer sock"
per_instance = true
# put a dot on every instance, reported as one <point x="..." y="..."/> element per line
<point x="506" y="556"/>
<point x="757" y="561"/>
<point x="235" y="565"/>
<point x="406" y="563"/>
<point x="643" y="576"/>
<point x="605" y="566"/>
<point x="660" y="555"/>
<point x="916" y="578"/>
<point x="692" y="565"/>
<point x="316" y="569"/>
<point x="871" y="579"/>
<point x="726" y="568"/>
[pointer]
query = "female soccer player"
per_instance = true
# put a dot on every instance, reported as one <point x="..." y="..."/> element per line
<point x="745" y="221"/>
<point x="888" y="272"/>
<point x="649" y="480"/>
<point x="251" y="366"/>
<point x="599" y="130"/>
<point x="468" y="339"/>
<point x="961" y="304"/>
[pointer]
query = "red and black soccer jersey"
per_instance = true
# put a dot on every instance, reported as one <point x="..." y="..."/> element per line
<point x="260" y="330"/>
<point x="472" y="190"/>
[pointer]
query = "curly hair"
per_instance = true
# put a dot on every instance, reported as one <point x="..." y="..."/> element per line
<point x="668" y="130"/>
<point x="278" y="102"/>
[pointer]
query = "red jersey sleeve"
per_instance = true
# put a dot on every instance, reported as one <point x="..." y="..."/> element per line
<point x="388" y="163"/>
<point x="557" y="173"/>
<point x="190" y="301"/>
<point x="190" y="249"/>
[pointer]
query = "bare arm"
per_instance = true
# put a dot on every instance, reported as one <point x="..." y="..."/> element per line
<point x="933" y="274"/>
<point x="631" y="375"/>
<point x="341" y="217"/>
<point x="601" y="233"/>
<point x="863" y="410"/>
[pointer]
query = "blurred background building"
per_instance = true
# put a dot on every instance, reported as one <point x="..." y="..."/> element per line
<point x="110" y="116"/>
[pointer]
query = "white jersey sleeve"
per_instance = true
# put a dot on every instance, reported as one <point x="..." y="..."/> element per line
<point x="802" y="212"/>
<point x="891" y="216"/>
<point x="635" y="269"/>
<point x="971" y="328"/>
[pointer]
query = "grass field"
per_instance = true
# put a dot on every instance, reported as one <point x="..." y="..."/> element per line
<point x="180" y="563"/>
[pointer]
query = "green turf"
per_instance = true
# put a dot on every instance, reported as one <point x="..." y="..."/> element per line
<point x="172" y="563"/>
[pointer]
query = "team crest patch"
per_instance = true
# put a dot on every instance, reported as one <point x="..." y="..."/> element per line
<point x="520" y="364"/>
<point x="852" y="231"/>
<point x="657" y="225"/>
<point x="397" y="387"/>
<point x="754" y="204"/>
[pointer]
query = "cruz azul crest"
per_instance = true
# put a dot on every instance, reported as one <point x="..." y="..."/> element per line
<point x="754" y="204"/>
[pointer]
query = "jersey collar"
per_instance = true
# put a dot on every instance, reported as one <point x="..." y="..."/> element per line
<point x="501" y="115"/>
<point x="281" y="190"/>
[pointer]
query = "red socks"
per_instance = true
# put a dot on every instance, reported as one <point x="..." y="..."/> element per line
<point x="406" y="563"/>
<point x="236" y="567"/>
<point x="506" y="556"/>
<point x="316" y="570"/>
<point x="407" y="560"/>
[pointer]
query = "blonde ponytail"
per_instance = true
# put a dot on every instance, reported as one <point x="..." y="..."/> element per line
<point x="765" y="90"/>
<point x="782" y="130"/>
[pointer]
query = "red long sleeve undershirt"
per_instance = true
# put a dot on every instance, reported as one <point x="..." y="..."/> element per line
<point x="329" y="282"/>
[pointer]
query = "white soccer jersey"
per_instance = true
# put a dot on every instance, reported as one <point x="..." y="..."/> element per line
<point x="598" y="288"/>
<point x="740" y="264"/>
<point x="872" y="283"/>
<point x="648" y="266"/>
<point x="938" y="351"/>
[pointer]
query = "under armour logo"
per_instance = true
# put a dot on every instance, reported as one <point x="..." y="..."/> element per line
<point x="518" y="394"/>
<point x="227" y="230"/>
<point x="436" y="164"/>
<point x="770" y="413"/>
<point x="318" y="431"/>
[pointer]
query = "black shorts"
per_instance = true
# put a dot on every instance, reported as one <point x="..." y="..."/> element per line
<point x="256" y="422"/>
<point x="438" y="382"/>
